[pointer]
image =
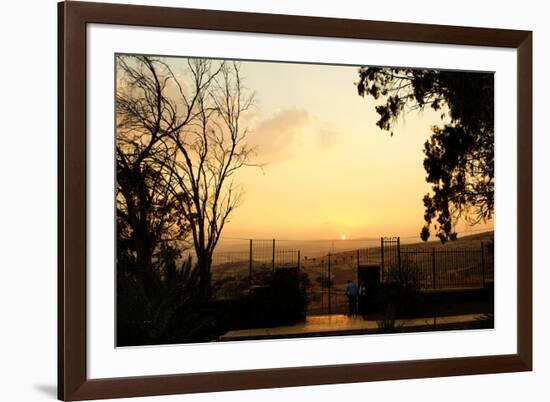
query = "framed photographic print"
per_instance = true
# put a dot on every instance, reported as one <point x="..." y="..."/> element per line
<point x="253" y="200"/>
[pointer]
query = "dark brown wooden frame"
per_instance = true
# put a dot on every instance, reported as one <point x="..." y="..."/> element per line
<point x="73" y="383"/>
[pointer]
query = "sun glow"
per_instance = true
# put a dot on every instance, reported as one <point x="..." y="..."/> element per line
<point x="343" y="237"/>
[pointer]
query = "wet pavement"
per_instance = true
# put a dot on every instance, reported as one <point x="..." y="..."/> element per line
<point x="339" y="324"/>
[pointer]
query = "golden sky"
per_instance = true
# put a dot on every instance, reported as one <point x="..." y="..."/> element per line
<point x="329" y="170"/>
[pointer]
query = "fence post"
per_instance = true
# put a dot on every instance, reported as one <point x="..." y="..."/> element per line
<point x="273" y="256"/>
<point x="382" y="255"/>
<point x="298" y="273"/>
<point x="483" y="263"/>
<point x="433" y="267"/>
<point x="329" y="285"/>
<point x="399" y="254"/>
<point x="357" y="269"/>
<point x="250" y="268"/>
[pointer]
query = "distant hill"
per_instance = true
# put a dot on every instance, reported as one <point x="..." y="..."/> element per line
<point x="469" y="241"/>
<point x="239" y="250"/>
<point x="466" y="242"/>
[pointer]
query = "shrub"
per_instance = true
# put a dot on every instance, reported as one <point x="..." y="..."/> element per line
<point x="167" y="309"/>
<point x="399" y="295"/>
<point x="388" y="323"/>
<point x="282" y="301"/>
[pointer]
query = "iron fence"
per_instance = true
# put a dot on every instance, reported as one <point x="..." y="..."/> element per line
<point x="235" y="274"/>
<point x="432" y="268"/>
<point x="449" y="269"/>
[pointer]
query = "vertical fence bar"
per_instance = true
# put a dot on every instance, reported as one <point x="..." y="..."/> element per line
<point x="357" y="269"/>
<point x="382" y="256"/>
<point x="433" y="268"/>
<point x="399" y="254"/>
<point x="273" y="256"/>
<point x="329" y="286"/>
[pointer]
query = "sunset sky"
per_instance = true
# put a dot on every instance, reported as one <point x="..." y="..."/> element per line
<point x="329" y="170"/>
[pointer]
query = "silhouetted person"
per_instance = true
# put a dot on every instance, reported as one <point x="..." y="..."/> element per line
<point x="351" y="293"/>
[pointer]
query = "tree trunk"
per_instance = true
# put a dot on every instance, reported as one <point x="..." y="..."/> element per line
<point x="204" y="262"/>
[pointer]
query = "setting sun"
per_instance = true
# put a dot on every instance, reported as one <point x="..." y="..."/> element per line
<point x="343" y="237"/>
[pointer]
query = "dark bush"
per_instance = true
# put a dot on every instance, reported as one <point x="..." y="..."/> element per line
<point x="282" y="302"/>
<point x="169" y="309"/>
<point x="399" y="296"/>
<point x="277" y="299"/>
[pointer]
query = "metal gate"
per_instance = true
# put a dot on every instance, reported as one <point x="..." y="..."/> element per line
<point x="327" y="275"/>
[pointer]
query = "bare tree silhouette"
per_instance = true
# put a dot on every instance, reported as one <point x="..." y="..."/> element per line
<point x="146" y="210"/>
<point x="188" y="126"/>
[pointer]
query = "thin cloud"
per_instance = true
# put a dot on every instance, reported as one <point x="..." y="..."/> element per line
<point x="274" y="137"/>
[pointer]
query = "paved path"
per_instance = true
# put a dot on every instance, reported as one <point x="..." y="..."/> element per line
<point x="340" y="324"/>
